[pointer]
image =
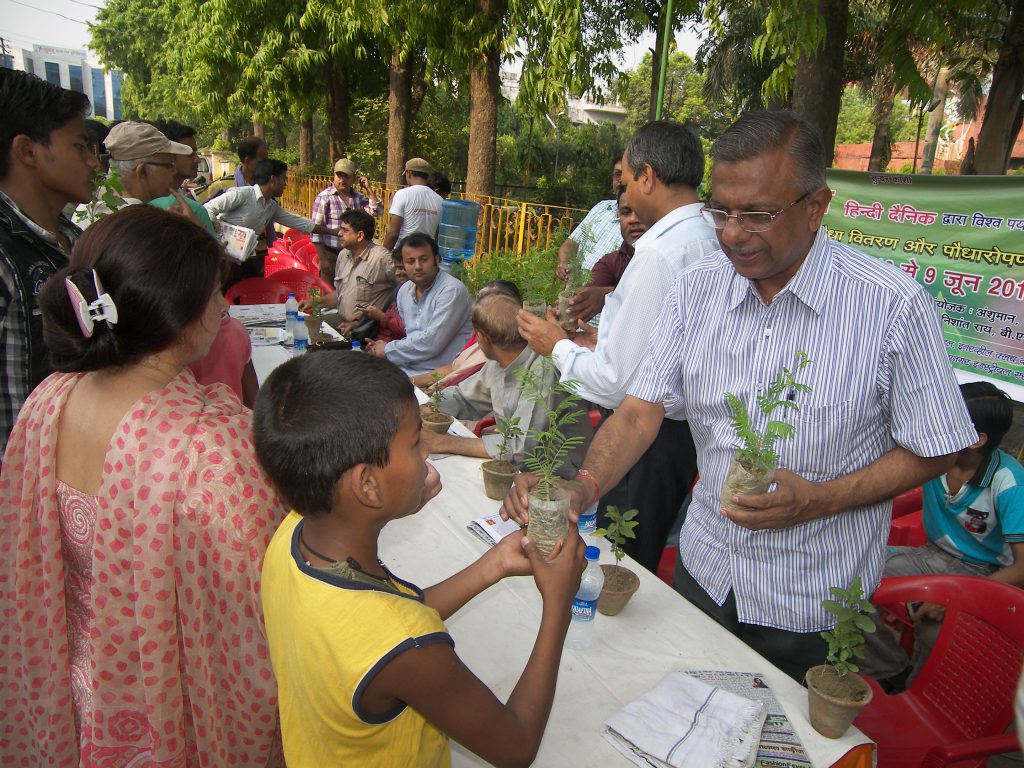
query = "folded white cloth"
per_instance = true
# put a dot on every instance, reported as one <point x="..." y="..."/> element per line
<point x="686" y="723"/>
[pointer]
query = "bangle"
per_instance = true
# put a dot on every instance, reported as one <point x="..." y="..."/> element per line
<point x="597" y="486"/>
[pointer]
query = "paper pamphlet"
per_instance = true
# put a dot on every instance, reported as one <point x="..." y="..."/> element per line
<point x="239" y="242"/>
<point x="492" y="529"/>
<point x="780" y="747"/>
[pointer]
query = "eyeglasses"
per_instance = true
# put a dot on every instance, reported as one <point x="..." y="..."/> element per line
<point x="154" y="162"/>
<point x="748" y="221"/>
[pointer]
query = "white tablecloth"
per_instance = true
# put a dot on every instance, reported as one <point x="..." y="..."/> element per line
<point x="658" y="631"/>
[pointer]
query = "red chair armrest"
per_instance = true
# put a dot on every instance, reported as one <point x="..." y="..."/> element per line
<point x="950" y="754"/>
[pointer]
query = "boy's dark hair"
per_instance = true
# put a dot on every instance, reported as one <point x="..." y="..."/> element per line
<point x="617" y="157"/>
<point x="417" y="240"/>
<point x="440" y="184"/>
<point x="173" y="130"/>
<point x="34" y="108"/>
<point x="990" y="409"/>
<point x="249" y="147"/>
<point x="158" y="268"/>
<point x="267" y="168"/>
<point x="319" y="415"/>
<point x="359" y="221"/>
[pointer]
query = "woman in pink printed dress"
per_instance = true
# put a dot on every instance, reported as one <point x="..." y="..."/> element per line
<point x="133" y="522"/>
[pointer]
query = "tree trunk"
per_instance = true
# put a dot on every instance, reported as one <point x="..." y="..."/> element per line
<point x="935" y="117"/>
<point x="881" y="142"/>
<point x="400" y="111"/>
<point x="280" y="137"/>
<point x="225" y="135"/>
<point x="306" y="141"/>
<point x="996" y="139"/>
<point x="418" y="78"/>
<point x="257" y="128"/>
<point x="484" y="92"/>
<point x="818" y="86"/>
<point x="659" y="42"/>
<point x="336" y="78"/>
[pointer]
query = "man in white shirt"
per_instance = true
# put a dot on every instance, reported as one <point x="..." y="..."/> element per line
<point x="416" y="207"/>
<point x="256" y="207"/>
<point x="661" y="168"/>
<point x="597" y="234"/>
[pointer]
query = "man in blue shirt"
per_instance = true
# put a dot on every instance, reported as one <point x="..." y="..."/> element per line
<point x="974" y="518"/>
<point x="435" y="308"/>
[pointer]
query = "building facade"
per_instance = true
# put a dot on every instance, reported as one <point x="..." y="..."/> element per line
<point x="69" y="68"/>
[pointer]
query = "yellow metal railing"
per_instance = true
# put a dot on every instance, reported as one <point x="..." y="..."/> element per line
<point x="504" y="224"/>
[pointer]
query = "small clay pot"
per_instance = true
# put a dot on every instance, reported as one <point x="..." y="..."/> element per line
<point x="564" y="300"/>
<point x="498" y="476"/>
<point x="619" y="585"/>
<point x="536" y="308"/>
<point x="834" y="700"/>
<point x="740" y="479"/>
<point x="314" y="329"/>
<point x="437" y="422"/>
<point x="549" y="519"/>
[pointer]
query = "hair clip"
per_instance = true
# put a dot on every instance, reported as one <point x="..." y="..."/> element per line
<point x="88" y="313"/>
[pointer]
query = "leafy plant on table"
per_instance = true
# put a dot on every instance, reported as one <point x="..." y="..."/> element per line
<point x="757" y="447"/>
<point x="620" y="527"/>
<point x="846" y="639"/>
<point x="508" y="429"/>
<point x="316" y="303"/>
<point x="436" y="392"/>
<point x="551" y="444"/>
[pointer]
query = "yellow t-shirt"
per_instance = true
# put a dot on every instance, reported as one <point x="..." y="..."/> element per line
<point x="328" y="639"/>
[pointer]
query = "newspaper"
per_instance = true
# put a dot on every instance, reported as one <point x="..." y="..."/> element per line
<point x="239" y="242"/>
<point x="492" y="529"/>
<point x="780" y="747"/>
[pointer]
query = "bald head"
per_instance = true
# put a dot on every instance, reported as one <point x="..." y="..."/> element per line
<point x="494" y="316"/>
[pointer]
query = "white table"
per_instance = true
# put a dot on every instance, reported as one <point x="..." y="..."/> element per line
<point x="658" y="632"/>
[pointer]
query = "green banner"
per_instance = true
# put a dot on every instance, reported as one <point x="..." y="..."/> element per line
<point x="962" y="238"/>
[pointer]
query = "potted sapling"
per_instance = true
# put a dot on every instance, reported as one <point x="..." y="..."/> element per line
<point x="433" y="419"/>
<point x="499" y="473"/>
<point x="755" y="458"/>
<point x="571" y="288"/>
<point x="548" y="505"/>
<point x="619" y="582"/>
<point x="835" y="692"/>
<point x="314" y="320"/>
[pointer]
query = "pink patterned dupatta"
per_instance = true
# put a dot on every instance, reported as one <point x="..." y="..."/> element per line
<point x="178" y="654"/>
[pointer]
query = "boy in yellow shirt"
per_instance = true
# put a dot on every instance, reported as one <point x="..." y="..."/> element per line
<point x="366" y="670"/>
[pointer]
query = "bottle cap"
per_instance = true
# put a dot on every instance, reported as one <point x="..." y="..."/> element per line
<point x="356" y="345"/>
<point x="593" y="553"/>
<point x="290" y="295"/>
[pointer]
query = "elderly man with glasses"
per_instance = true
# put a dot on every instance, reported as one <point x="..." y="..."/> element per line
<point x="343" y="195"/>
<point x="882" y="414"/>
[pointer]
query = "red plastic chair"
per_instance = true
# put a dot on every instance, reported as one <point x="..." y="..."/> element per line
<point x="293" y="235"/>
<point x="908" y="531"/>
<point x="256" y="290"/>
<point x="961" y="703"/>
<point x="298" y="281"/>
<point x="907" y="503"/>
<point x="277" y="261"/>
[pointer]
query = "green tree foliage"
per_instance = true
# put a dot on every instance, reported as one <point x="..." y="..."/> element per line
<point x="856" y="124"/>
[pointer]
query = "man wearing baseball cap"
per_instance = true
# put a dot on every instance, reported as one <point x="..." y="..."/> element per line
<point x="334" y="201"/>
<point x="143" y="159"/>
<point x="415" y="208"/>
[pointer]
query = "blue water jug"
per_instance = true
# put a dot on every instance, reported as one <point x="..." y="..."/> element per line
<point x="456" y="236"/>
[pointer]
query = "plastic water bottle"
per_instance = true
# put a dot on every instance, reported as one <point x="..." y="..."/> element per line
<point x="357" y="347"/>
<point x="587" y="524"/>
<point x="584" y="605"/>
<point x="300" y="339"/>
<point x="291" y="315"/>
